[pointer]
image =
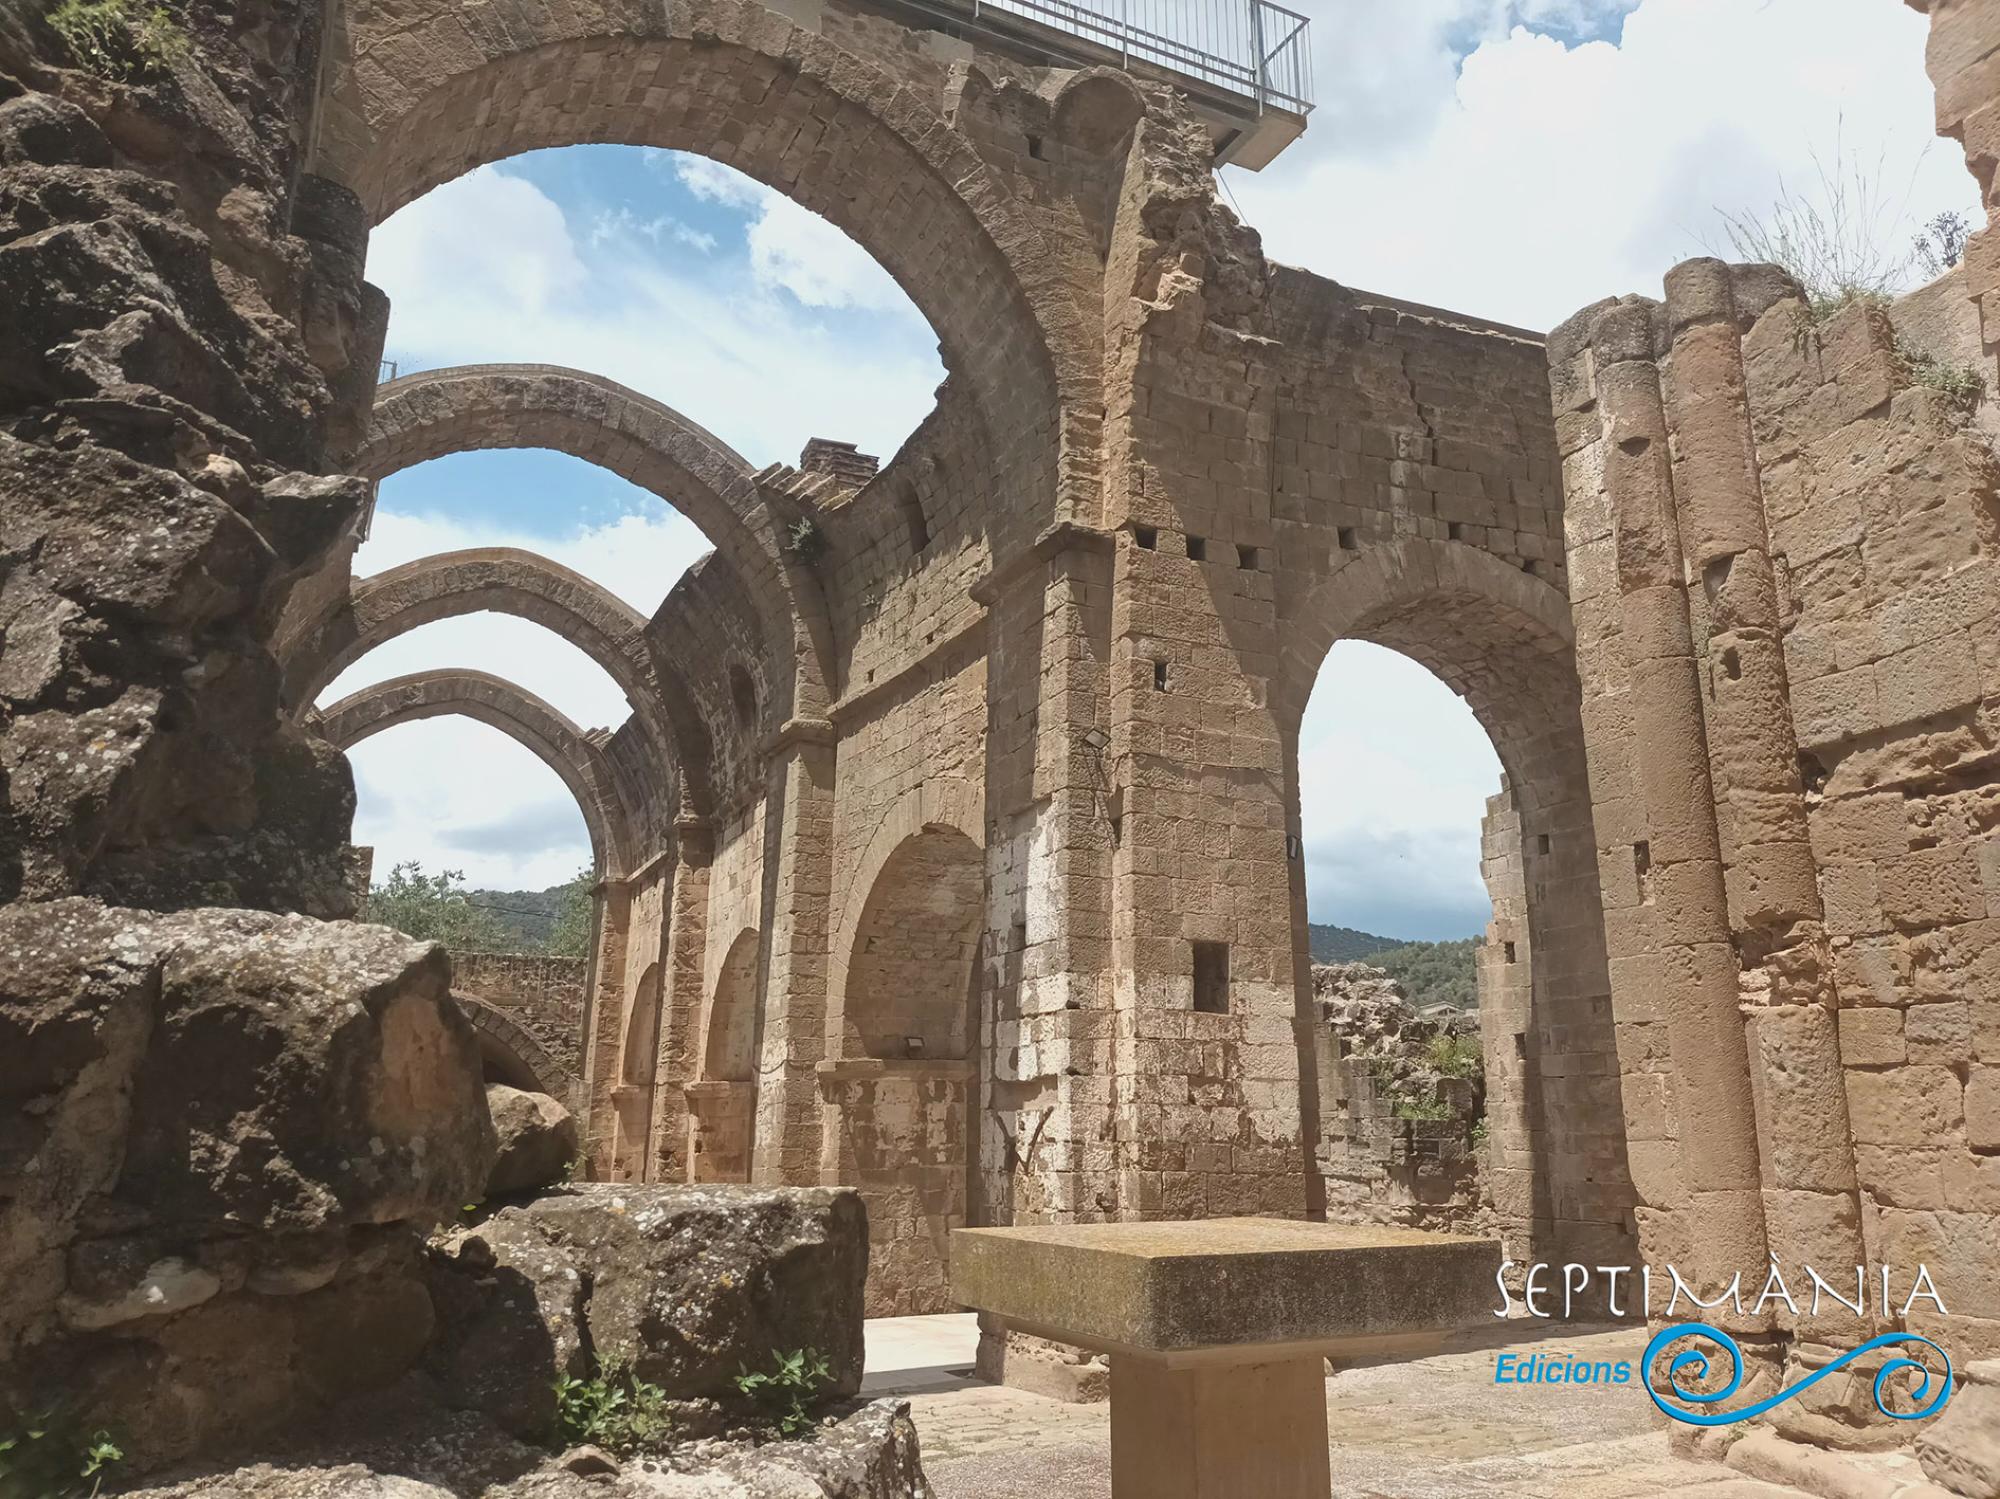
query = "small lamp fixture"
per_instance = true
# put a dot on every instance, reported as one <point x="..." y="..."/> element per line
<point x="913" y="1047"/>
<point x="1095" y="738"/>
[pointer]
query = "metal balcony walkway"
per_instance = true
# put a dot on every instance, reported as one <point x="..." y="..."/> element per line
<point x="1246" y="65"/>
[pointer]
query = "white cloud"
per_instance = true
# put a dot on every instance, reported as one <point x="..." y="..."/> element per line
<point x="1546" y="176"/>
<point x="487" y="268"/>
<point x="454" y="794"/>
<point x="791" y="247"/>
<point x="1394" y="772"/>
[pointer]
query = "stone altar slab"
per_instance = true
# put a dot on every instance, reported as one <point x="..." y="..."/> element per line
<point x="1216" y="1330"/>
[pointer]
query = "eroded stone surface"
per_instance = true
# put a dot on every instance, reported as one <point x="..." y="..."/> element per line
<point x="687" y="1286"/>
<point x="227" y="1130"/>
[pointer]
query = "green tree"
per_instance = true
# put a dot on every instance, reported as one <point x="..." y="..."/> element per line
<point x="432" y="907"/>
<point x="569" y="937"/>
<point x="1433" y="972"/>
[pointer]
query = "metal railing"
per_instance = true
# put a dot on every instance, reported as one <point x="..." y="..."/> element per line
<point x="1249" y="47"/>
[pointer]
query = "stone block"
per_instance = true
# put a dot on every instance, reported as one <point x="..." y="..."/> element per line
<point x="1223" y="1282"/>
<point x="1982" y="1108"/>
<point x="1907" y="1105"/>
<point x="1871" y="1037"/>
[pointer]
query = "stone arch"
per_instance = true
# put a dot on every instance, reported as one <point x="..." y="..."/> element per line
<point x="722" y="1100"/>
<point x="938" y="804"/>
<point x="420" y="93"/>
<point x="481" y="406"/>
<point x="1504" y="641"/>
<point x="561" y="745"/>
<point x="729" y="1033"/>
<point x="639" y="1056"/>
<point x="511" y="1055"/>
<point x="908" y="972"/>
<point x="896" y="1117"/>
<point x="506" y="580"/>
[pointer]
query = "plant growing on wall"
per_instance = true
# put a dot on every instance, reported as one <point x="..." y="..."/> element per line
<point x="804" y="539"/>
<point x="124" y="40"/>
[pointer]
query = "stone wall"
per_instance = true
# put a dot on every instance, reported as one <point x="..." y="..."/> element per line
<point x="1781" y="552"/>
<point x="541" y="998"/>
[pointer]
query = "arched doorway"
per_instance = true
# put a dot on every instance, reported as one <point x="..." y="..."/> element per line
<point x="1502" y="640"/>
<point x="896" y="1098"/>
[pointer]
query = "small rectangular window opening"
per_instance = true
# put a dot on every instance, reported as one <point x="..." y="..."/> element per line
<point x="1247" y="559"/>
<point x="1197" y="548"/>
<point x="1510" y="952"/>
<point x="1348" y="542"/>
<point x="1146" y="537"/>
<point x="1159" y="676"/>
<point x="1542" y="843"/>
<point x="1456" y="530"/>
<point x="1211" y="977"/>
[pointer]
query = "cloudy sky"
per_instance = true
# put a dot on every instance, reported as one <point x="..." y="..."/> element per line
<point x="1512" y="158"/>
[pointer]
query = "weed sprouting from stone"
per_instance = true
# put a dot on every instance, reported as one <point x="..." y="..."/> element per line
<point x="124" y="40"/>
<point x="790" y="1388"/>
<point x="613" y="1409"/>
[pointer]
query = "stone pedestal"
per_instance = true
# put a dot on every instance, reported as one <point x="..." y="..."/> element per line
<point x="1216" y="1330"/>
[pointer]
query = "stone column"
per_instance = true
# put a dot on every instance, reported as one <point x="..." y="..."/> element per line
<point x="1707" y="1171"/>
<point x="1786" y="979"/>
<point x="682" y="962"/>
<point x="603" y="1018"/>
<point x="1513" y="1168"/>
<point x="798" y="874"/>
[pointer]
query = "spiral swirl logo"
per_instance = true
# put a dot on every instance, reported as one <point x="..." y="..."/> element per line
<point x="1694" y="1363"/>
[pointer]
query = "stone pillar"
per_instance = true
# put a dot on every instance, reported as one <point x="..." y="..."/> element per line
<point x="1513" y="1168"/>
<point x="1692" y="1140"/>
<point x="1044" y="1128"/>
<point x="681" y="996"/>
<point x="602" y="1024"/>
<point x="798" y="873"/>
<point x="1786" y="980"/>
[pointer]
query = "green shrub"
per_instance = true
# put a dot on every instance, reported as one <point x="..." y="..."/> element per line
<point x="46" y="1459"/>
<point x="1456" y="1056"/>
<point x="804" y="539"/>
<point x="121" y="39"/>
<point x="789" y="1390"/>
<point x="1424" y="1110"/>
<point x="614" y="1409"/>
<point x="1960" y="384"/>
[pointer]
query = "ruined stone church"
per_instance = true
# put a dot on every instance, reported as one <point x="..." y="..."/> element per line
<point x="952" y="849"/>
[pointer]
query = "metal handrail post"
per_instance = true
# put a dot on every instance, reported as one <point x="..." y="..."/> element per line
<point x="1257" y="50"/>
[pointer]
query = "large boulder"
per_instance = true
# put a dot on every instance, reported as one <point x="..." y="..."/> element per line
<point x="870" y="1454"/>
<point x="686" y="1285"/>
<point x="536" y="1138"/>
<point x="224" y="1134"/>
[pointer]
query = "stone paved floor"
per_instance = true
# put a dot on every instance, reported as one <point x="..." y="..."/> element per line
<point x="1431" y="1428"/>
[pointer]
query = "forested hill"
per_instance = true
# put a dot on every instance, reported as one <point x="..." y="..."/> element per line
<point x="1430" y="972"/>
<point x="1342" y="944"/>
<point x="526" y="917"/>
